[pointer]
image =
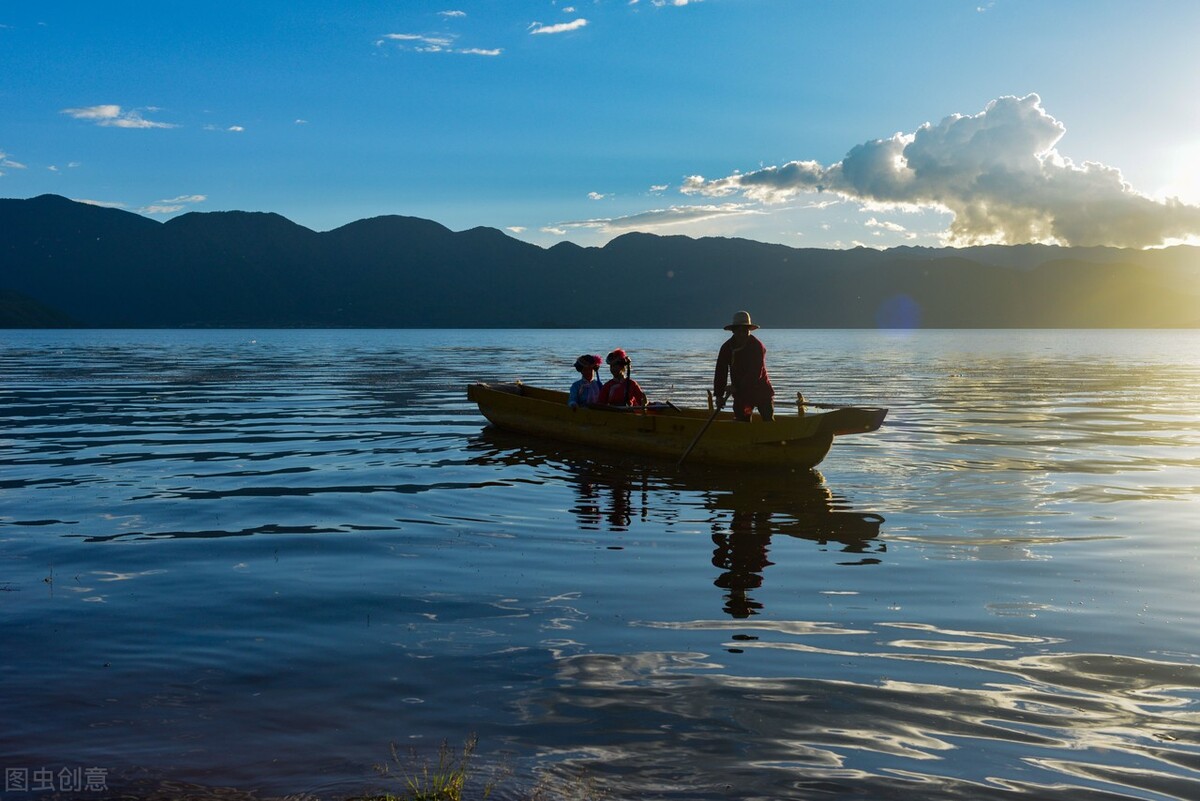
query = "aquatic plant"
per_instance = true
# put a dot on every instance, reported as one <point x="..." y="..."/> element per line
<point x="444" y="779"/>
<point x="453" y="777"/>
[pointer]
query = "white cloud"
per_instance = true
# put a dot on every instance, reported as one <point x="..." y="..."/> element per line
<point x="997" y="172"/>
<point x="552" y="230"/>
<point x="112" y="116"/>
<point x="659" y="218"/>
<point x="7" y="162"/>
<point x="407" y="37"/>
<point x="886" y="225"/>
<point x="300" y="122"/>
<point x="171" y="205"/>
<point x="516" y="229"/>
<point x="820" y="204"/>
<point x="562" y="27"/>
<point x="185" y="199"/>
<point x="676" y="3"/>
<point x="235" y="128"/>
<point x="105" y="204"/>
<point x="104" y="112"/>
<point x="657" y="188"/>
<point x="596" y="196"/>
<point x="453" y="13"/>
<point x="422" y="43"/>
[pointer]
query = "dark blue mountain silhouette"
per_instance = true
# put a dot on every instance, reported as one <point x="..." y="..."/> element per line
<point x="64" y="262"/>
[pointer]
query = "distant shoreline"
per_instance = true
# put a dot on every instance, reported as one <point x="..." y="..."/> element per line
<point x="66" y="264"/>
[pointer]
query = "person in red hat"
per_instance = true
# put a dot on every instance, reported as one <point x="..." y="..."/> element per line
<point x="621" y="390"/>
<point x="586" y="390"/>
<point x="742" y="372"/>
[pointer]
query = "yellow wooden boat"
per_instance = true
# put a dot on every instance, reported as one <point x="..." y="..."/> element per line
<point x="662" y="430"/>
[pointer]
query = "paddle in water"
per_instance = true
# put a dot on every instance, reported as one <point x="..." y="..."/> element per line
<point x="711" y="417"/>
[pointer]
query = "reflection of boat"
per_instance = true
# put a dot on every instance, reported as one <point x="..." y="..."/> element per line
<point x="744" y="510"/>
<point x="751" y="511"/>
<point x="789" y="441"/>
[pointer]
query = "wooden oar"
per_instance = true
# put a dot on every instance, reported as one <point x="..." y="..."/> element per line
<point x="829" y="405"/>
<point x="801" y="403"/>
<point x="711" y="417"/>
<point x="628" y="378"/>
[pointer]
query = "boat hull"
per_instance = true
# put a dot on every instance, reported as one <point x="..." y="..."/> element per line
<point x="789" y="441"/>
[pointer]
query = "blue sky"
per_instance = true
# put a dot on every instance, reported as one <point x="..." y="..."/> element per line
<point x="791" y="121"/>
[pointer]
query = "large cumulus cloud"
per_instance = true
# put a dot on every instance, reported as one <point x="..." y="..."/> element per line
<point x="997" y="172"/>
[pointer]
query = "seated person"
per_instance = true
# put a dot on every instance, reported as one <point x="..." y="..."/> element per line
<point x="621" y="390"/>
<point x="586" y="390"/>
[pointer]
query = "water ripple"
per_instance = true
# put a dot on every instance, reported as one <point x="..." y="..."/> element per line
<point x="255" y="558"/>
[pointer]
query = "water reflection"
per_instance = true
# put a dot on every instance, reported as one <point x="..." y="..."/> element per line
<point x="744" y="511"/>
<point x="343" y="552"/>
<point x="1062" y="726"/>
<point x="749" y="511"/>
<point x="607" y="501"/>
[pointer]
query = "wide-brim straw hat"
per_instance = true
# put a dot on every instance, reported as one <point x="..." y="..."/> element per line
<point x="741" y="320"/>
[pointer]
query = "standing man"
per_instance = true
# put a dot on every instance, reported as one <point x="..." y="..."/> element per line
<point x="742" y="371"/>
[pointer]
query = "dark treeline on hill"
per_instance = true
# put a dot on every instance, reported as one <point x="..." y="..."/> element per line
<point x="65" y="263"/>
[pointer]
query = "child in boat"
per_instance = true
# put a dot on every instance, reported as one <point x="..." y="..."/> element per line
<point x="586" y="390"/>
<point x="621" y="390"/>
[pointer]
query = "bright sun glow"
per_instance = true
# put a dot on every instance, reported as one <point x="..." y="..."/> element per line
<point x="1182" y="169"/>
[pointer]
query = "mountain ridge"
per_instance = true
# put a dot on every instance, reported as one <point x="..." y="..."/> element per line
<point x="63" y="260"/>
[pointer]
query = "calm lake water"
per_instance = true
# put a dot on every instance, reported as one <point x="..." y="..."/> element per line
<point x="254" y="559"/>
